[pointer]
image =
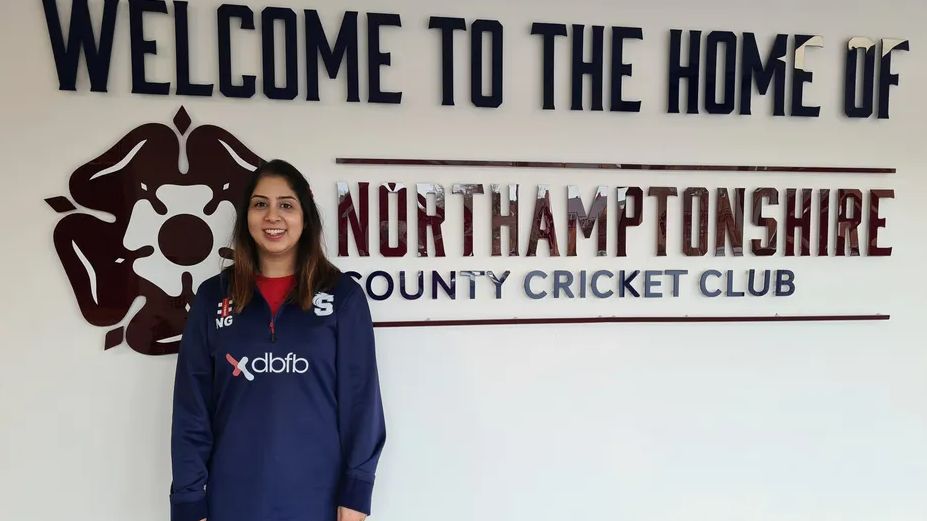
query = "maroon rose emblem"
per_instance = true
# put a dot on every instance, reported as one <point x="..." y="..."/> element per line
<point x="146" y="223"/>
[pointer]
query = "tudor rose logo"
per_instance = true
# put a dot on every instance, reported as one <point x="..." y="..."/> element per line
<point x="145" y="223"/>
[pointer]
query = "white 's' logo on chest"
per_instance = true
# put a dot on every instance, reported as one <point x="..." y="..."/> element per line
<point x="323" y="304"/>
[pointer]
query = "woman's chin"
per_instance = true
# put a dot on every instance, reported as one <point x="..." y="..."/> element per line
<point x="275" y="249"/>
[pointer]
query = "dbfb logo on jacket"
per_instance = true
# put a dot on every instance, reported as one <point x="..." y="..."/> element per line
<point x="267" y="363"/>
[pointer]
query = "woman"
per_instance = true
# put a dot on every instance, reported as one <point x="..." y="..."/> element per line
<point x="277" y="412"/>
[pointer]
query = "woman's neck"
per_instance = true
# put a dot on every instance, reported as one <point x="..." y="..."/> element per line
<point x="277" y="267"/>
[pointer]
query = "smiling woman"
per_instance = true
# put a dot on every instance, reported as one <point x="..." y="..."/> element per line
<point x="278" y="233"/>
<point x="229" y="18"/>
<point x="278" y="352"/>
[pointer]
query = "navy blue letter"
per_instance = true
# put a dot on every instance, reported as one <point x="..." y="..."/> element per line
<point x="224" y="15"/>
<point x="80" y="36"/>
<point x="377" y="59"/>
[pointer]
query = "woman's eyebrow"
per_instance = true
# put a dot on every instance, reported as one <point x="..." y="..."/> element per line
<point x="268" y="198"/>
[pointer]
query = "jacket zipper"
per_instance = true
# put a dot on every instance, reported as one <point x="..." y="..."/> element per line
<point x="273" y="316"/>
<point x="273" y="319"/>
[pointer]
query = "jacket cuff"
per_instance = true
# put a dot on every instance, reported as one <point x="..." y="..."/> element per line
<point x="193" y="511"/>
<point x="355" y="494"/>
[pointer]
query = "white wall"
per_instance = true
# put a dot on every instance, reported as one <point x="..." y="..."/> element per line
<point x="790" y="421"/>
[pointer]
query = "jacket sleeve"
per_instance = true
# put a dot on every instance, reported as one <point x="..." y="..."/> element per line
<point x="361" y="425"/>
<point x="191" y="431"/>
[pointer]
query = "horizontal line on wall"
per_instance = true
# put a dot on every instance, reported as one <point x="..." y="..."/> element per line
<point x="665" y="319"/>
<point x="612" y="166"/>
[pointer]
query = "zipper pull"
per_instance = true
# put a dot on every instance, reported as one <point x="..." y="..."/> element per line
<point x="273" y="333"/>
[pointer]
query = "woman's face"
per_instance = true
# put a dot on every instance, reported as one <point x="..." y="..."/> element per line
<point x="275" y="219"/>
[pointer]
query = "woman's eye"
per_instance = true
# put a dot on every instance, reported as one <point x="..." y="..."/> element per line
<point x="287" y="205"/>
<point x="259" y="204"/>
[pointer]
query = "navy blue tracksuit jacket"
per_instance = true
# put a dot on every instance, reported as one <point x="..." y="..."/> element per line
<point x="276" y="418"/>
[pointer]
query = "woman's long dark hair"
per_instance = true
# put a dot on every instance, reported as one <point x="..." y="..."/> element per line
<point x="313" y="271"/>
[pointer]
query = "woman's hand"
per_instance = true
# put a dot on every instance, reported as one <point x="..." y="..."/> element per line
<point x="346" y="514"/>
